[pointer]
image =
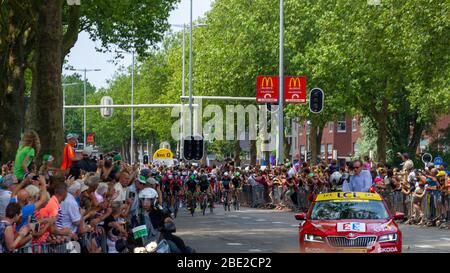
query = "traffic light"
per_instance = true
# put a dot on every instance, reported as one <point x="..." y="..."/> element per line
<point x="187" y="149"/>
<point x="316" y="99"/>
<point x="193" y="148"/>
<point x="198" y="149"/>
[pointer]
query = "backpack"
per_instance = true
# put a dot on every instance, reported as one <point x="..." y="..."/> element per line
<point x="3" y="226"/>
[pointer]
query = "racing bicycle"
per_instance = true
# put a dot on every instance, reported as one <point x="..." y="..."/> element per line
<point x="192" y="203"/>
<point x="235" y="199"/>
<point x="204" y="201"/>
<point x="226" y="201"/>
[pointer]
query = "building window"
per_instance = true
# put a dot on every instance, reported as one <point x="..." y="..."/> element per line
<point x="300" y="129"/>
<point x="354" y="124"/>
<point x="355" y="147"/>
<point x="423" y="144"/>
<point x="330" y="127"/>
<point x="322" y="148"/>
<point x="330" y="149"/>
<point x="302" y="149"/>
<point x="341" y="125"/>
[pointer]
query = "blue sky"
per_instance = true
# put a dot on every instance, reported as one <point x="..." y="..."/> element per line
<point x="83" y="54"/>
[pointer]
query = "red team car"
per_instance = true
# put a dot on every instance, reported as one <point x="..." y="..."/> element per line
<point x="349" y="222"/>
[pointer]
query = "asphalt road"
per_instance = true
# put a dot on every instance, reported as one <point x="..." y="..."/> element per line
<point x="258" y="230"/>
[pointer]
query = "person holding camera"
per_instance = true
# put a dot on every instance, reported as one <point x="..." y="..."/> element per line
<point x="407" y="163"/>
<point x="10" y="239"/>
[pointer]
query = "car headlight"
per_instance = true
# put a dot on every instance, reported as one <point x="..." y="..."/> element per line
<point x="388" y="238"/>
<point x="313" y="238"/>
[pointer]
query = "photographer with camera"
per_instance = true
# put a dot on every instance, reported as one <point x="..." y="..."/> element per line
<point x="407" y="164"/>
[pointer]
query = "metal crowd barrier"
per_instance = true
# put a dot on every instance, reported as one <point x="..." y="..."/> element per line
<point x="99" y="236"/>
<point x="69" y="247"/>
<point x="434" y="206"/>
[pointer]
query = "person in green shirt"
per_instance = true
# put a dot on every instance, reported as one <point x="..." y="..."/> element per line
<point x="30" y="147"/>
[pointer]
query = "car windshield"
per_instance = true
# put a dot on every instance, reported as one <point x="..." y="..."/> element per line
<point x="343" y="209"/>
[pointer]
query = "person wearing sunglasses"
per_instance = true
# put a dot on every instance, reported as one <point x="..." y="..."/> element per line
<point x="360" y="180"/>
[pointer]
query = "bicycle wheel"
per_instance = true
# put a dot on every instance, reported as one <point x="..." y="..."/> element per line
<point x="176" y="205"/>
<point x="204" y="205"/>
<point x="192" y="207"/>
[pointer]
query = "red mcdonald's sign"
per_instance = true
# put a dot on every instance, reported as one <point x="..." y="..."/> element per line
<point x="295" y="89"/>
<point x="90" y="138"/>
<point x="267" y="89"/>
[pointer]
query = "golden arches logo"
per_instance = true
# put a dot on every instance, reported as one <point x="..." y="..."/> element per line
<point x="295" y="82"/>
<point x="268" y="81"/>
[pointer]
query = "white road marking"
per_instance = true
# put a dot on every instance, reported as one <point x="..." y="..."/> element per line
<point x="234" y="244"/>
<point x="424" y="246"/>
<point x="447" y="239"/>
<point x="278" y="223"/>
<point x="294" y="225"/>
<point x="230" y="215"/>
<point x="260" y="220"/>
<point x="255" y="250"/>
<point x="246" y="217"/>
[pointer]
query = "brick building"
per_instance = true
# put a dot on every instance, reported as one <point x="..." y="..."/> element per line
<point x="340" y="137"/>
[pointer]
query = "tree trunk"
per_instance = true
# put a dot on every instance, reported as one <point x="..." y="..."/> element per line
<point x="320" y="127"/>
<point x="237" y="154"/>
<point x="416" y="136"/>
<point x="381" y="132"/>
<point x="13" y="58"/>
<point x="286" y="147"/>
<point x="252" y="152"/>
<point x="12" y="103"/>
<point x="48" y="95"/>
<point x="313" y="141"/>
<point x="136" y="153"/>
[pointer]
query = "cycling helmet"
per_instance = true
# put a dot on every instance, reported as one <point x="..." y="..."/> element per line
<point x="141" y="179"/>
<point x="145" y="172"/>
<point x="225" y="174"/>
<point x="237" y="174"/>
<point x="192" y="177"/>
<point x="170" y="177"/>
<point x="148" y="193"/>
<point x="335" y="178"/>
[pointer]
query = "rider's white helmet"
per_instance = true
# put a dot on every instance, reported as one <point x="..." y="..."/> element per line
<point x="148" y="193"/>
<point x="225" y="174"/>
<point x="335" y="177"/>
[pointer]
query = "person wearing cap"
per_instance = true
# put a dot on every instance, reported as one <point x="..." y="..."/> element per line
<point x="7" y="186"/>
<point x="69" y="156"/>
<point x="154" y="184"/>
<point x="85" y="163"/>
<point x="133" y="192"/>
<point x="407" y="164"/>
<point x="25" y="154"/>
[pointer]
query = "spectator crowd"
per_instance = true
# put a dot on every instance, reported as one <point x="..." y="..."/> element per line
<point x="92" y="201"/>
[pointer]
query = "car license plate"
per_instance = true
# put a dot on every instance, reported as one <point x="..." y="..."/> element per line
<point x="354" y="250"/>
<point x="353" y="226"/>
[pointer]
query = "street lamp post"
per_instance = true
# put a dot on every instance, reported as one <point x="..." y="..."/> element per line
<point x="84" y="118"/>
<point x="281" y="82"/>
<point x="64" y="99"/>
<point x="132" y="112"/>
<point x="184" y="26"/>
<point x="190" y="72"/>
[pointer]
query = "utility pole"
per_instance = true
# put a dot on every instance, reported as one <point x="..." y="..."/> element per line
<point x="85" y="70"/>
<point x="281" y="89"/>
